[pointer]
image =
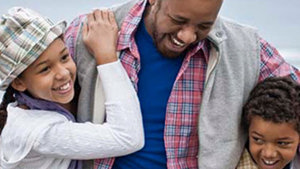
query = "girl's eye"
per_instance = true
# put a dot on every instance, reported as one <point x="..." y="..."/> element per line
<point x="45" y="69"/>
<point x="65" y="57"/>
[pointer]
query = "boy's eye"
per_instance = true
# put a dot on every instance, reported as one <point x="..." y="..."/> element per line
<point x="283" y="143"/>
<point x="257" y="140"/>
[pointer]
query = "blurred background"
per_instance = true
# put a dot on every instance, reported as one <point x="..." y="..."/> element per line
<point x="277" y="20"/>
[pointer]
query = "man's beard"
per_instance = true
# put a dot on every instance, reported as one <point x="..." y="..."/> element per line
<point x="164" y="51"/>
<point x="157" y="38"/>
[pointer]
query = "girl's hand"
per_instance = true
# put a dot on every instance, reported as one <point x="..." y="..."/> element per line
<point x="100" y="35"/>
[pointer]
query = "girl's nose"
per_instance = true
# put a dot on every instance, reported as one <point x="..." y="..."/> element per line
<point x="61" y="73"/>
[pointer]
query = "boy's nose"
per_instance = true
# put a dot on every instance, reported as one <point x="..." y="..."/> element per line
<point x="269" y="151"/>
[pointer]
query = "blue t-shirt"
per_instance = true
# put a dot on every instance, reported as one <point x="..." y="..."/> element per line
<point x="156" y="79"/>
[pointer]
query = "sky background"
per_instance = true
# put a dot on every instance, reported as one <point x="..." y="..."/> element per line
<point x="278" y="21"/>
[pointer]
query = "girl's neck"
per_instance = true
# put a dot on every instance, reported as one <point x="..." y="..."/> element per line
<point x="71" y="107"/>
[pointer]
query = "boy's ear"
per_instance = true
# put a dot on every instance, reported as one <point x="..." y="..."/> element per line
<point x="19" y="85"/>
<point x="151" y="2"/>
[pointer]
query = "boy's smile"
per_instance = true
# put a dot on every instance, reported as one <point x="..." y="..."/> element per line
<point x="272" y="145"/>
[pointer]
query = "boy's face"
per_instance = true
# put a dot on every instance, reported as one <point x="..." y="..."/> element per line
<point x="272" y="145"/>
<point x="51" y="77"/>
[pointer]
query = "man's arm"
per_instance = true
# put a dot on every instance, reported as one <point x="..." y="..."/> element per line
<point x="273" y="64"/>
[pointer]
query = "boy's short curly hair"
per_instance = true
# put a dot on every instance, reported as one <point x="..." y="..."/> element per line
<point x="276" y="99"/>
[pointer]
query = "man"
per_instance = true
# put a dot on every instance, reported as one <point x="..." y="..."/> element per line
<point x="192" y="70"/>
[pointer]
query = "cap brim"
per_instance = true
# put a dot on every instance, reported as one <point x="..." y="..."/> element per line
<point x="54" y="32"/>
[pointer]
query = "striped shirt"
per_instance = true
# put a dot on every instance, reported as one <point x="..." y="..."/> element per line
<point x="180" y="134"/>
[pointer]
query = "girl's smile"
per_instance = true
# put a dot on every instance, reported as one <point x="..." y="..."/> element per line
<point x="51" y="77"/>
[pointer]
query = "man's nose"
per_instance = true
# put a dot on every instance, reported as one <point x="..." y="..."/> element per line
<point x="187" y="34"/>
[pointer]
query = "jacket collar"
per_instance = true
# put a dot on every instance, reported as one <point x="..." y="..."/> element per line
<point x="217" y="34"/>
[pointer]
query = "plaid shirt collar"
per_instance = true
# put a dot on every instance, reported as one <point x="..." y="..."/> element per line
<point x="130" y="25"/>
<point x="246" y="161"/>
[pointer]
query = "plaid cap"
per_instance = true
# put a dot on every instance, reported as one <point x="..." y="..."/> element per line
<point x="25" y="35"/>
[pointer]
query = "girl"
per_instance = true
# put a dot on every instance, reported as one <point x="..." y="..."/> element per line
<point x="272" y="119"/>
<point x="38" y="75"/>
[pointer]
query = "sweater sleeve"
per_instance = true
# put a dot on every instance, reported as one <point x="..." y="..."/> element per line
<point x="121" y="134"/>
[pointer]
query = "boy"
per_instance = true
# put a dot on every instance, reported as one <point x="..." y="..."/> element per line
<point x="272" y="118"/>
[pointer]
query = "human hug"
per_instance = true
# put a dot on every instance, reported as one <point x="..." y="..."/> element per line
<point x="147" y="84"/>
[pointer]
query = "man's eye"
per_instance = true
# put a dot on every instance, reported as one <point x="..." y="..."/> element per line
<point x="203" y="27"/>
<point x="177" y="22"/>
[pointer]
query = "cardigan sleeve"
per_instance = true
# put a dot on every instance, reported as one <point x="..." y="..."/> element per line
<point x="121" y="134"/>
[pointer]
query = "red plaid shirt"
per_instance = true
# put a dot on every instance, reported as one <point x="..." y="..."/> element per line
<point x="180" y="134"/>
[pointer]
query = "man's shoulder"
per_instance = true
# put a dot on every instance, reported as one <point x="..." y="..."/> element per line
<point x="120" y="6"/>
<point x="121" y="10"/>
<point x="228" y="29"/>
<point x="228" y="23"/>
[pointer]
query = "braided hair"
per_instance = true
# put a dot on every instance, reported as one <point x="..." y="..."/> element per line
<point x="276" y="99"/>
<point x="8" y="97"/>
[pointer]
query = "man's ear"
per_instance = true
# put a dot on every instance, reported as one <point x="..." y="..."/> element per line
<point x="19" y="85"/>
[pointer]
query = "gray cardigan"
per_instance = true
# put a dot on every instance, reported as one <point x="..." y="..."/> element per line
<point x="233" y="70"/>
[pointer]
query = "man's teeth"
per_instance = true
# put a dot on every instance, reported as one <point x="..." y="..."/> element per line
<point x="64" y="87"/>
<point x="177" y="42"/>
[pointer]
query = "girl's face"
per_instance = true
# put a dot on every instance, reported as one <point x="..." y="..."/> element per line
<point x="51" y="77"/>
<point x="272" y="145"/>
